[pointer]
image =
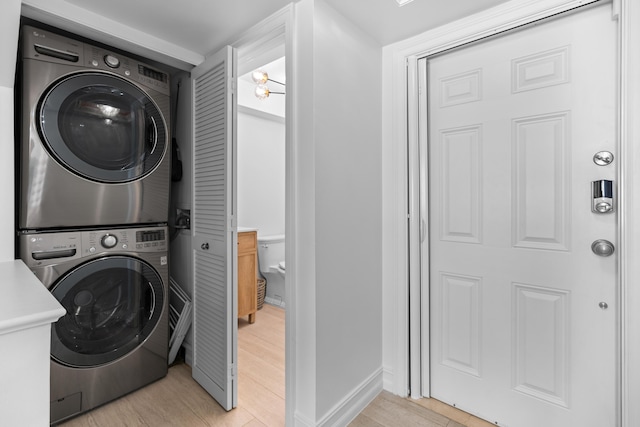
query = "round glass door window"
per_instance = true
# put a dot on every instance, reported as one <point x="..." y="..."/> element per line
<point x="113" y="304"/>
<point x="102" y="127"/>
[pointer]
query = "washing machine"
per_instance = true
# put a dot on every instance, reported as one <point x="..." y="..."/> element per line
<point x="114" y="338"/>
<point x="94" y="137"/>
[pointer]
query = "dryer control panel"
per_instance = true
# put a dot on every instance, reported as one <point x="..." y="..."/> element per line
<point x="47" y="46"/>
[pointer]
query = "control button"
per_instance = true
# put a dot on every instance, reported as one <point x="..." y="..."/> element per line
<point x="94" y="63"/>
<point x="33" y="240"/>
<point x="127" y="73"/>
<point x="92" y="249"/>
<point x="124" y="246"/>
<point x="109" y="241"/>
<point x="111" y="61"/>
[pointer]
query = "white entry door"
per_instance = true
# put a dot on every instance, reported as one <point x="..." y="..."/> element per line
<point x="523" y="312"/>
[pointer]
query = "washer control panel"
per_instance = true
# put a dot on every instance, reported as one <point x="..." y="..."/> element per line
<point x="129" y="239"/>
<point x="37" y="249"/>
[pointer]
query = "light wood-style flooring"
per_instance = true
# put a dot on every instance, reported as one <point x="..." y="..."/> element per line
<point x="177" y="400"/>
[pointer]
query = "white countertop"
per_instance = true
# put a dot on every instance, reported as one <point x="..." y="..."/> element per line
<point x="24" y="301"/>
<point x="245" y="229"/>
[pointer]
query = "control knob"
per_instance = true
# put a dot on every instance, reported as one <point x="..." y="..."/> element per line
<point x="108" y="241"/>
<point x="111" y="61"/>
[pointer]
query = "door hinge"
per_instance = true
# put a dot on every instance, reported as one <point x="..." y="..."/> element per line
<point x="233" y="371"/>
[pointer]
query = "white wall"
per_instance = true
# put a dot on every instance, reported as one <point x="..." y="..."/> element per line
<point x="301" y="231"/>
<point x="261" y="172"/>
<point x="180" y="260"/>
<point x="347" y="111"/>
<point x="9" y="24"/>
<point x="336" y="217"/>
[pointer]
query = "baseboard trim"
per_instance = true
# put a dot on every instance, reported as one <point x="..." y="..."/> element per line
<point x="349" y="408"/>
<point x="389" y="381"/>
<point x="273" y="301"/>
<point x="188" y="353"/>
<point x="301" y="421"/>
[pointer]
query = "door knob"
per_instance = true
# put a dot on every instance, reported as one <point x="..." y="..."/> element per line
<point x="205" y="246"/>
<point x="602" y="247"/>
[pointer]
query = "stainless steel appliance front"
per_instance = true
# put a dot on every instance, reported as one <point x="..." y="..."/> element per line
<point x="113" y="284"/>
<point x="94" y="143"/>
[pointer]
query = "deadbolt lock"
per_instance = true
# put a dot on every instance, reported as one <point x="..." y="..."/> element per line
<point x="602" y="196"/>
<point x="603" y="158"/>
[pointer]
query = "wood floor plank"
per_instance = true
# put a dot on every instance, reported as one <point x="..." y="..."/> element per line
<point x="411" y="405"/>
<point x="262" y="372"/>
<point x="269" y="334"/>
<point x="261" y="402"/>
<point x="269" y="352"/>
<point x="455" y="414"/>
<point x="364" y="421"/>
<point x="391" y="412"/>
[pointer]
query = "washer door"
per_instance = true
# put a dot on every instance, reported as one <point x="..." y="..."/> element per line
<point x="113" y="304"/>
<point x="102" y="127"/>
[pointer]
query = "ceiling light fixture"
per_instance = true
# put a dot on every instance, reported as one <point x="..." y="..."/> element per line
<point x="261" y="77"/>
<point x="403" y="2"/>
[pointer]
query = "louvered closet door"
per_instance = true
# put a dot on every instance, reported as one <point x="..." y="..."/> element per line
<point x="213" y="226"/>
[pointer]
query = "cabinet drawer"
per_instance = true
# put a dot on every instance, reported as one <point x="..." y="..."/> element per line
<point x="247" y="241"/>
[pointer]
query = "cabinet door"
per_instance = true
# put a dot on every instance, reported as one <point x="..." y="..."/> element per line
<point x="247" y="266"/>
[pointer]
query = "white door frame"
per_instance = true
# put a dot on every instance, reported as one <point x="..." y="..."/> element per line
<point x="403" y="228"/>
<point x="273" y="31"/>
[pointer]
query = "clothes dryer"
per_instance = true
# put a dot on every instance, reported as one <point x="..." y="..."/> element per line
<point x="114" y="338"/>
<point x="94" y="142"/>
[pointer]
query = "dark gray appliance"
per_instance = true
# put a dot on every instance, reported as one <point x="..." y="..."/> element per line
<point x="95" y="140"/>
<point x="113" y="284"/>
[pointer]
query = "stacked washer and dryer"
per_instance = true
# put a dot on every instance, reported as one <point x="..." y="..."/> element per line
<point x="93" y="197"/>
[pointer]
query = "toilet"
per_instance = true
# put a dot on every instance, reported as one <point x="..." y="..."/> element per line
<point x="272" y="267"/>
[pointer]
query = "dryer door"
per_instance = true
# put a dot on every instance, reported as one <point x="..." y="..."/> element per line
<point x="113" y="304"/>
<point x="102" y="127"/>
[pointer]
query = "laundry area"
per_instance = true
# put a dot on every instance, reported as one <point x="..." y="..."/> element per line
<point x="93" y="195"/>
<point x="229" y="215"/>
<point x="104" y="204"/>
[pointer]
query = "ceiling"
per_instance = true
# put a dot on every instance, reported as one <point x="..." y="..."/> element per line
<point x="204" y="26"/>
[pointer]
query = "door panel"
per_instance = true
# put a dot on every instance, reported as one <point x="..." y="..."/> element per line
<point x="517" y="333"/>
<point x="213" y="225"/>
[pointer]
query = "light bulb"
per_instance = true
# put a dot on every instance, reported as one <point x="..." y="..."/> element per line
<point x="260" y="76"/>
<point x="262" y="91"/>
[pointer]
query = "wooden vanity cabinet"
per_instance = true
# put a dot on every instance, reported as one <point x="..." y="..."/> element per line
<point x="247" y="274"/>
